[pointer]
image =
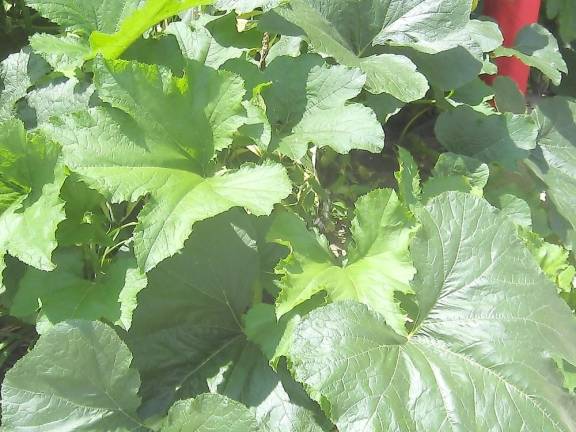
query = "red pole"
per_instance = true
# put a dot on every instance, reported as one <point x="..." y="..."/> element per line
<point x="512" y="16"/>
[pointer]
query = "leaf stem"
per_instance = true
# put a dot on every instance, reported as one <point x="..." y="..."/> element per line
<point x="411" y="123"/>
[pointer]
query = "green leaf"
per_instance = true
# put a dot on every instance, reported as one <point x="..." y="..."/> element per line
<point x="273" y="335"/>
<point x="199" y="44"/>
<point x="309" y="102"/>
<point x="111" y="46"/>
<point x="187" y="337"/>
<point x="84" y="17"/>
<point x="66" y="293"/>
<point x="64" y="53"/>
<point x="516" y="209"/>
<point x="455" y="172"/>
<point x="80" y="19"/>
<point x="424" y="24"/>
<point x="334" y="31"/>
<point x="552" y="259"/>
<point x="556" y="163"/>
<point x="507" y="96"/>
<point x="378" y="262"/>
<point x="480" y="356"/>
<point x="408" y="178"/>
<point x="537" y="47"/>
<point x="30" y="206"/>
<point x="86" y="223"/>
<point x="77" y="378"/>
<point x="504" y="139"/>
<point x="463" y="50"/>
<point x="163" y="150"/>
<point x="210" y="413"/>
<point x="18" y="72"/>
<point x="58" y="98"/>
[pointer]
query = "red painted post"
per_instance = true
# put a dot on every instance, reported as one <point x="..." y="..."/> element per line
<point x="512" y="16"/>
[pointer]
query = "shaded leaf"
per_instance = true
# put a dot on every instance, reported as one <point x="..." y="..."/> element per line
<point x="66" y="293"/>
<point x="163" y="148"/>
<point x="504" y="139"/>
<point x="479" y="356"/>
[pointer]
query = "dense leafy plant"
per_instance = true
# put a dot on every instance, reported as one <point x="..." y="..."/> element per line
<point x="200" y="218"/>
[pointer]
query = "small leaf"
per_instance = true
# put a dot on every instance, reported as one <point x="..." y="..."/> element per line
<point x="309" y="102"/>
<point x="64" y="53"/>
<point x="18" y="72"/>
<point x="455" y="172"/>
<point x="508" y="97"/>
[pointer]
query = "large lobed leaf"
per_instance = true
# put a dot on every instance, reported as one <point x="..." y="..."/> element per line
<point x="159" y="141"/>
<point x="187" y="334"/>
<point x="482" y="354"/>
<point x="378" y="264"/>
<point x="77" y="378"/>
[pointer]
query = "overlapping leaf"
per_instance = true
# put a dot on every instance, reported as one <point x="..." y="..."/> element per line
<point x="429" y="26"/>
<point x="308" y="102"/>
<point x="332" y="30"/>
<point x="210" y="413"/>
<point x="42" y="391"/>
<point x="67" y="52"/>
<point x="30" y="206"/>
<point x="17" y="73"/>
<point x="160" y="143"/>
<point x="482" y="355"/>
<point x="537" y="47"/>
<point x="504" y="139"/>
<point x="456" y="173"/>
<point x="244" y="6"/>
<point x="378" y="264"/>
<point x="55" y="99"/>
<point x="66" y="293"/>
<point x="187" y="335"/>
<point x="556" y="161"/>
<point x="98" y="27"/>
<point x="111" y="46"/>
